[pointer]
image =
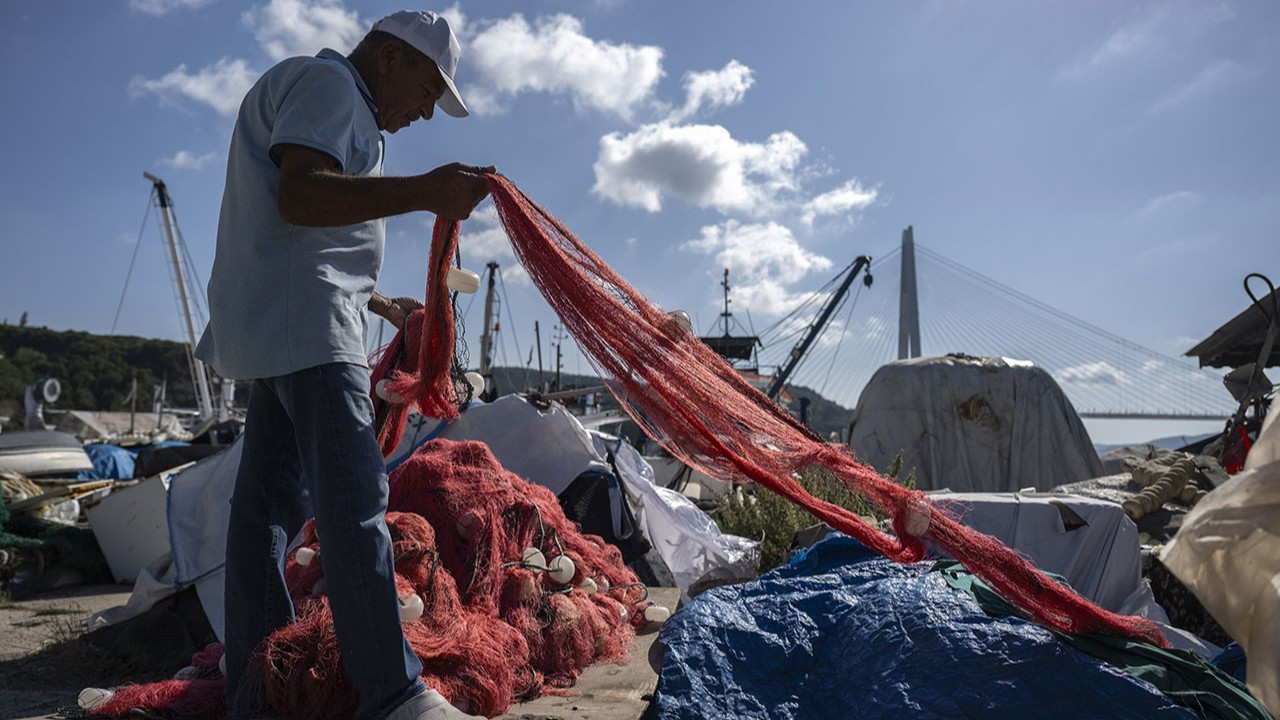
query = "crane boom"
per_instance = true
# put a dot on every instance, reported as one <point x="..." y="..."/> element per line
<point x="798" y="352"/>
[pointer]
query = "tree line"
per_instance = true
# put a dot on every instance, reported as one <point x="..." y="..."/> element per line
<point x="96" y="371"/>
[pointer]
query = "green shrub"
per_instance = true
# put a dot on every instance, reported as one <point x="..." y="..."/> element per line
<point x="756" y="513"/>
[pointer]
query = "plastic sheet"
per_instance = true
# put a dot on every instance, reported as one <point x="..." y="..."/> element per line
<point x="1228" y="554"/>
<point x="110" y="462"/>
<point x="843" y="633"/>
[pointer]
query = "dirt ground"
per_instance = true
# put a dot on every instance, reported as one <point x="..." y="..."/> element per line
<point x="43" y="665"/>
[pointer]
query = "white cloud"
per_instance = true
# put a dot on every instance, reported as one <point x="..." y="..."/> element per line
<point x="514" y="274"/>
<point x="221" y="86"/>
<point x="765" y="258"/>
<point x="164" y="7"/>
<point x="285" y="28"/>
<point x="1096" y="373"/>
<point x="715" y="89"/>
<point x="1160" y="28"/>
<point x="703" y="164"/>
<point x="187" y="160"/>
<point x="1160" y="203"/>
<point x="510" y="56"/>
<point x="1125" y="41"/>
<point x="1211" y="76"/>
<point x="849" y="197"/>
<point x="1150" y="366"/>
<point x="483" y="238"/>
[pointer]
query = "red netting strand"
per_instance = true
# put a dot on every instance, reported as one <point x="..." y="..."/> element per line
<point x="492" y="621"/>
<point x="415" y="365"/>
<point x="688" y="398"/>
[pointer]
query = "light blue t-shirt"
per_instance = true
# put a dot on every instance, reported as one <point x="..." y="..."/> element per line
<point x="282" y="297"/>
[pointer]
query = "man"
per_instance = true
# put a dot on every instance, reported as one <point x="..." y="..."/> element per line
<point x="300" y="243"/>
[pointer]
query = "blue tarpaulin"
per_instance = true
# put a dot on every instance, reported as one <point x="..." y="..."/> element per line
<point x="110" y="462"/>
<point x="845" y="633"/>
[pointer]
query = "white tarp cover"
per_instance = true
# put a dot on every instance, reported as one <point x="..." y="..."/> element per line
<point x="1100" y="559"/>
<point x="1227" y="552"/>
<point x="972" y="424"/>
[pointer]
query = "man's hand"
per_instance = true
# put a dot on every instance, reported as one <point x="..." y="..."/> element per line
<point x="454" y="190"/>
<point x="395" y="310"/>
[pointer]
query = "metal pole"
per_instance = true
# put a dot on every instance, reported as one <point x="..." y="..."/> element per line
<point x="201" y="378"/>
<point x="486" y="338"/>
<point x="133" y="403"/>
<point x="726" y="314"/>
<point x="559" y="341"/>
<point x="537" y="340"/>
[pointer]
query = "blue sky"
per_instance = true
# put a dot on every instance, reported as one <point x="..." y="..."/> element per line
<point x="1116" y="161"/>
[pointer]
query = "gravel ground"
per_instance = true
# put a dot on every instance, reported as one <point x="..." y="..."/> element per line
<point x="43" y="665"/>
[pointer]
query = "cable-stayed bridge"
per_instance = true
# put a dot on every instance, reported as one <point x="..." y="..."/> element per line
<point x="962" y="311"/>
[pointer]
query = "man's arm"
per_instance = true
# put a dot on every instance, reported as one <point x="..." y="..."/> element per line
<point x="315" y="193"/>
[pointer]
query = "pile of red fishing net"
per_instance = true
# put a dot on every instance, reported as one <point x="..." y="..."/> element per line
<point x="491" y="620"/>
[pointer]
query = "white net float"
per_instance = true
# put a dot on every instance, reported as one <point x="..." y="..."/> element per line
<point x="462" y="280"/>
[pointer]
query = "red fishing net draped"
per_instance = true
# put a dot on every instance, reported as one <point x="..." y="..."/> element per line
<point x="700" y="409"/>
<point x="492" y="621"/>
<point x="494" y="624"/>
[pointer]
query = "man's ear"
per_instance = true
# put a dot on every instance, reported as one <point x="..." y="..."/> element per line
<point x="389" y="56"/>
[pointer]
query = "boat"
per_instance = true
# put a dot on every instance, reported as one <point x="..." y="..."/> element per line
<point x="43" y="453"/>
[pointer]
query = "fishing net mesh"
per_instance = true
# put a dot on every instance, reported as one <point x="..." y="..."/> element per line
<point x="689" y="399"/>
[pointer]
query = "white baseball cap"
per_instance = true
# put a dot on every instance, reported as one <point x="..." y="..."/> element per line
<point x="431" y="35"/>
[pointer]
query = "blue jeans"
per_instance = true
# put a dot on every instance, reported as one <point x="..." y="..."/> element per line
<point x="316" y="424"/>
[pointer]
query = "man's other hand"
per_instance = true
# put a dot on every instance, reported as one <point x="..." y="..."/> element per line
<point x="454" y="190"/>
<point x="394" y="310"/>
<point x="400" y="309"/>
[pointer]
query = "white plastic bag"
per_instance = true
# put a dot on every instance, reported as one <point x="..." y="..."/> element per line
<point x="1228" y="554"/>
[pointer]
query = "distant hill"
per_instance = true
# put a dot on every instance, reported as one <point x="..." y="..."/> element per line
<point x="825" y="417"/>
<point x="95" y="371"/>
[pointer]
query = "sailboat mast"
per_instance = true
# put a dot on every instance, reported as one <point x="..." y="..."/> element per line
<point x="726" y="315"/>
<point x="486" y="338"/>
<point x="200" y="376"/>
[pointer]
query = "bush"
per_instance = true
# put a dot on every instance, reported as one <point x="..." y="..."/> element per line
<point x="756" y="513"/>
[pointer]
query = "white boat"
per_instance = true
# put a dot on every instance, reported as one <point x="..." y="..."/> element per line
<point x="43" y="453"/>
